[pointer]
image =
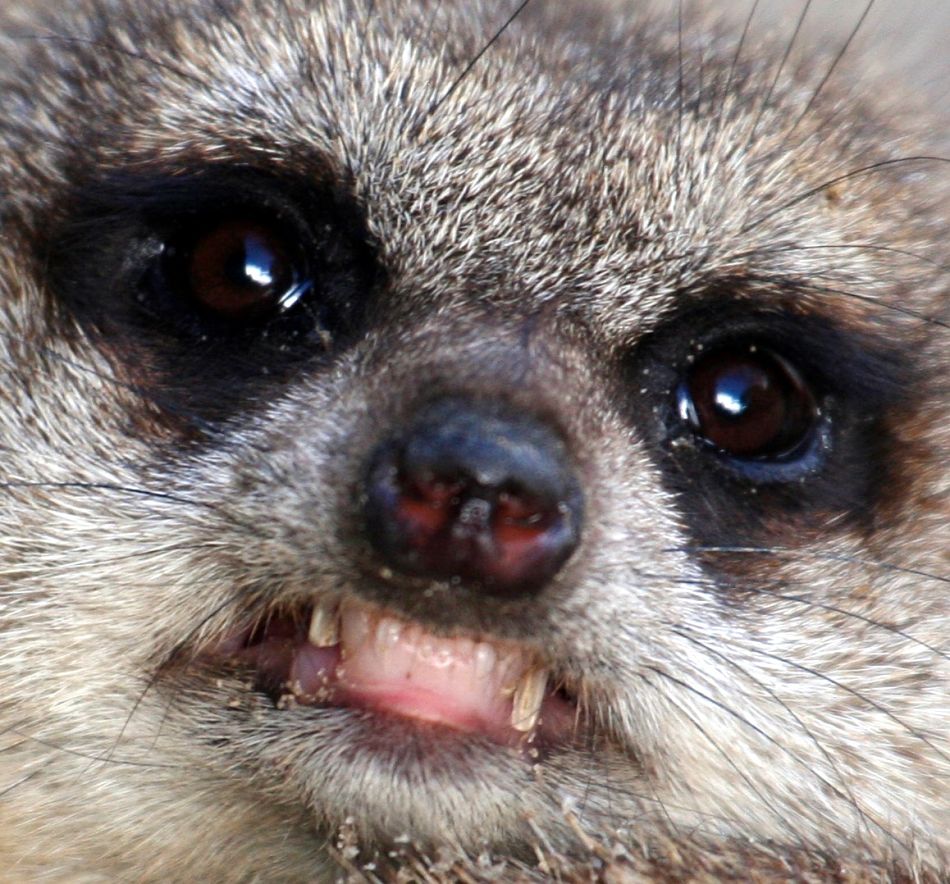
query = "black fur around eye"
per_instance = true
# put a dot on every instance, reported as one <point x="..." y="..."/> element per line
<point x="242" y="270"/>
<point x="242" y="259"/>
<point x="748" y="403"/>
<point x="758" y="416"/>
<point x="215" y="284"/>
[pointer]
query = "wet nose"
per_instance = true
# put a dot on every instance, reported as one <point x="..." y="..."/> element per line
<point x="474" y="495"/>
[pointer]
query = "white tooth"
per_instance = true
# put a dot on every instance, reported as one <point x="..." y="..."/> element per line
<point x="439" y="656"/>
<point x="388" y="631"/>
<point x="526" y="706"/>
<point x="356" y="625"/>
<point x="485" y="660"/>
<point x="425" y="651"/>
<point x="324" y="626"/>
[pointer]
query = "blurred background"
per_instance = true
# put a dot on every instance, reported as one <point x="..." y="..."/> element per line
<point x="912" y="36"/>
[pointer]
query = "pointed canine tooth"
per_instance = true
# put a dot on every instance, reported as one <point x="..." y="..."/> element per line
<point x="527" y="700"/>
<point x="324" y="626"/>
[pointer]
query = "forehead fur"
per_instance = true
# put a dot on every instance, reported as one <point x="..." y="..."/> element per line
<point x="609" y="167"/>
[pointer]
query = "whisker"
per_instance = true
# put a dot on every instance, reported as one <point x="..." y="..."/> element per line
<point x="879" y="707"/>
<point x="139" y="390"/>
<point x="433" y="109"/>
<point x="896" y="308"/>
<point x="714" y="585"/>
<point x="831" y="68"/>
<point x="735" y="63"/>
<point x="715" y="744"/>
<point x="764" y="104"/>
<point x="180" y="648"/>
<point x="838" y="179"/>
<point x="247" y="526"/>
<point x="119" y="50"/>
<point x="843" y="246"/>
<point x="107" y="486"/>
<point x="811" y="554"/>
<point x="15" y="785"/>
<point x="126" y="762"/>
<point x="844" y="612"/>
<point x="867" y="820"/>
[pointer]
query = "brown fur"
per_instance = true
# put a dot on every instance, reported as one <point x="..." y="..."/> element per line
<point x="762" y="672"/>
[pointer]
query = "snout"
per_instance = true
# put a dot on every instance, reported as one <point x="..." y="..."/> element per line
<point x="476" y="494"/>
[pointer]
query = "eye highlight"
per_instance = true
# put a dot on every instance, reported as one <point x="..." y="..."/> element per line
<point x="749" y="403"/>
<point x="238" y="269"/>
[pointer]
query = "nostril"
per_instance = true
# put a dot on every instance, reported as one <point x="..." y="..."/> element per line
<point x="473" y="495"/>
<point x="425" y="506"/>
<point x="518" y="520"/>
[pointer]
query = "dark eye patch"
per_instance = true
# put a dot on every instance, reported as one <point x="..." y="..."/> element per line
<point x="214" y="285"/>
<point x="763" y="418"/>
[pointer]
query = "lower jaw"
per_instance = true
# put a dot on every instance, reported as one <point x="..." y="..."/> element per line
<point x="397" y="776"/>
<point x="391" y="726"/>
<point x="325" y="757"/>
<point x="394" y="774"/>
<point x="278" y="666"/>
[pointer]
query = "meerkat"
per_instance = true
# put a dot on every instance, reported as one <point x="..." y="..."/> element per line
<point x="467" y="440"/>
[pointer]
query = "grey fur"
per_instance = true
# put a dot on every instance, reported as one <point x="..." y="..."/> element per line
<point x="778" y="709"/>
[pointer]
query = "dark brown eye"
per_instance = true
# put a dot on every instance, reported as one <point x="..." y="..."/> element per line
<point x="749" y="403"/>
<point x="241" y="269"/>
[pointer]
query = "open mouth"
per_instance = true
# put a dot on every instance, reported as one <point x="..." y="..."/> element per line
<point x="353" y="655"/>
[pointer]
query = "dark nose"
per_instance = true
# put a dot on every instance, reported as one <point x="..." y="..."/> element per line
<point x="476" y="495"/>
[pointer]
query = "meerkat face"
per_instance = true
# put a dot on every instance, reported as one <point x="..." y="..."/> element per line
<point x="508" y="457"/>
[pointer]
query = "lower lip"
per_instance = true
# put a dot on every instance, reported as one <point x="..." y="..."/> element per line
<point x="308" y="665"/>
